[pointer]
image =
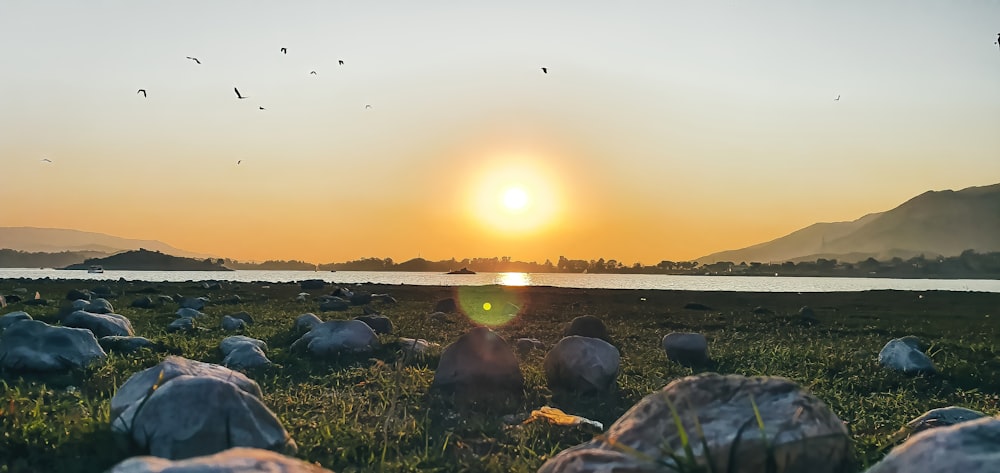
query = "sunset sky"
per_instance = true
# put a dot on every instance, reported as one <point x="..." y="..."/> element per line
<point x="662" y="130"/>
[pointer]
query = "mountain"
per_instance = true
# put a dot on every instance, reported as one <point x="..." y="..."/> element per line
<point x="935" y="223"/>
<point x="52" y="240"/>
<point x="145" y="260"/>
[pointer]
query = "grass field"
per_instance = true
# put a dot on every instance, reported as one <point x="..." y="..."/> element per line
<point x="375" y="413"/>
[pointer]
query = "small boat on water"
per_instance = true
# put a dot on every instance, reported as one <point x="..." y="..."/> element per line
<point x="461" y="271"/>
<point x="95" y="269"/>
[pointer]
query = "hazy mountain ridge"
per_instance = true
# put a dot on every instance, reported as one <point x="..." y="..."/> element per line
<point x="52" y="240"/>
<point x="933" y="223"/>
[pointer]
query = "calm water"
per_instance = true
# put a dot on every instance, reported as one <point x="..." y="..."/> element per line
<point x="601" y="281"/>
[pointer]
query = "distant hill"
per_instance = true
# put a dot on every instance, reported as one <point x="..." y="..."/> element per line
<point x="935" y="223"/>
<point x="53" y="240"/>
<point x="145" y="260"/>
<point x="24" y="259"/>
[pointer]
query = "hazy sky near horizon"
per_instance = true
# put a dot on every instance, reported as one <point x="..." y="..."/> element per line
<point x="662" y="130"/>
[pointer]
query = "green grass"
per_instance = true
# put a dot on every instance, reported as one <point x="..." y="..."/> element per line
<point x="377" y="413"/>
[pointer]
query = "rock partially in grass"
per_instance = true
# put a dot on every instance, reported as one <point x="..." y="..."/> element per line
<point x="800" y="433"/>
<point x="231" y="324"/>
<point x="196" y="303"/>
<point x="139" y="385"/>
<point x="306" y="322"/>
<point x="125" y="344"/>
<point x="934" y="418"/>
<point x="905" y="356"/>
<point x="189" y="313"/>
<point x="440" y="317"/>
<point x="696" y="306"/>
<point x="687" y="349"/>
<point x="144" y="302"/>
<point x="379" y="323"/>
<point x="582" y="364"/>
<point x="415" y="347"/>
<point x="99" y="306"/>
<point x="968" y="447"/>
<point x="760" y="310"/>
<point x="310" y="284"/>
<point x="587" y="326"/>
<point x="447" y="306"/>
<point x="334" y="304"/>
<point x="76" y="294"/>
<point x="190" y="416"/>
<point x="183" y="324"/>
<point x="234" y="460"/>
<point x="479" y="362"/>
<point x="32" y="345"/>
<point x="361" y="298"/>
<point x="229" y="344"/>
<point x="246" y="355"/>
<point x="525" y="345"/>
<point x="807" y="316"/>
<point x="10" y="319"/>
<point x="338" y="336"/>
<point x="384" y="298"/>
<point x="244" y="316"/>
<point x="103" y="325"/>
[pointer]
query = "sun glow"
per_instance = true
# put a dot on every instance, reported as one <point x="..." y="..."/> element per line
<point x="515" y="199"/>
<point x="515" y="196"/>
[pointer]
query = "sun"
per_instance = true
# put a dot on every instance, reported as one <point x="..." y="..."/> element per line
<point x="515" y="199"/>
<point x="515" y="196"/>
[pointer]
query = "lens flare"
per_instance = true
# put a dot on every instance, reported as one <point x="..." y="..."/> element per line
<point x="492" y="306"/>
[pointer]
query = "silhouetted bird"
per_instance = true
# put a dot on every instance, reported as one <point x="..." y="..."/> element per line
<point x="340" y="61"/>
<point x="238" y="93"/>
<point x="194" y="59"/>
<point x="240" y="161"/>
<point x="284" y="50"/>
<point x="313" y="72"/>
<point x="837" y="99"/>
<point x="545" y="70"/>
<point x="262" y="108"/>
<point x="47" y="160"/>
<point x="368" y="107"/>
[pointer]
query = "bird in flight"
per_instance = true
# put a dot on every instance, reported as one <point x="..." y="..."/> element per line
<point x="262" y="108"/>
<point x="284" y="50"/>
<point x="313" y="72"/>
<point x="545" y="70"/>
<point x="240" y="161"/>
<point x="340" y="62"/>
<point x="193" y="59"/>
<point x="368" y="107"/>
<point x="141" y="91"/>
<point x="47" y="160"/>
<point x="238" y="93"/>
<point x="837" y="99"/>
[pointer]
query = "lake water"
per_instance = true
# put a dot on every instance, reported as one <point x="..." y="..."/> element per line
<point x="595" y="281"/>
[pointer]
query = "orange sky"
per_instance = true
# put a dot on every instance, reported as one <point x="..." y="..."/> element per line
<point x="665" y="130"/>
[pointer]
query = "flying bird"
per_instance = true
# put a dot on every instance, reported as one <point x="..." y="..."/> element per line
<point x="193" y="59"/>
<point x="313" y="72"/>
<point x="340" y="61"/>
<point x="47" y="160"/>
<point x="367" y="107"/>
<point x="240" y="161"/>
<point x="837" y="99"/>
<point x="545" y="70"/>
<point x="262" y="108"/>
<point x="141" y="91"/>
<point x="238" y="93"/>
<point x="284" y="50"/>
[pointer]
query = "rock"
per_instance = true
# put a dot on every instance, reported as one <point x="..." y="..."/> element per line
<point x="968" y="447"/>
<point x="228" y="344"/>
<point x="687" y="349"/>
<point x="440" y="317"/>
<point x="369" y="311"/>
<point x="302" y="297"/>
<point x="102" y="325"/>
<point x="32" y="345"/>
<point x="334" y="303"/>
<point x="103" y="291"/>
<point x="245" y="356"/>
<point x="138" y="386"/>
<point x="582" y="364"/>
<point x="338" y="336"/>
<point x="183" y="324"/>
<point x="191" y="416"/>
<point x="10" y="319"/>
<point x="525" y="345"/>
<point x="233" y="299"/>
<point x="343" y="293"/>
<point x="189" y="313"/>
<point x="759" y="310"/>
<point x="75" y="294"/>
<point x="361" y="298"/>
<point x="79" y="304"/>
<point x="479" y="362"/>
<point x="211" y="285"/>
<point x="144" y="302"/>
<point x="447" y="306"/>
<point x="696" y="306"/>
<point x="234" y="460"/>
<point x="99" y="306"/>
<point x="914" y="342"/>
<point x="415" y="348"/>
<point x="898" y="355"/>
<point x="9" y="299"/>
<point x="587" y="326"/>
<point x="230" y="324"/>
<point x="122" y="344"/>
<point x="21" y="290"/>
<point x="802" y="432"/>
<point x="807" y="316"/>
<point x="306" y="322"/>
<point x="165" y="299"/>
<point x="941" y="417"/>
<point x="149" y="290"/>
<point x="245" y="317"/>
<point x="384" y="298"/>
<point x="310" y="284"/>
<point x="380" y="324"/>
<point x="196" y="303"/>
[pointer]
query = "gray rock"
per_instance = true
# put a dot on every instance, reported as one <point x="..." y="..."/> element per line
<point x="942" y="417"/>
<point x="246" y="355"/>
<point x="801" y="431"/>
<point x="968" y="447"/>
<point x="306" y="322"/>
<point x="192" y="416"/>
<point x="231" y="324"/>
<point x="379" y="323"/>
<point x="139" y="385"/>
<point x="687" y="349"/>
<point x="99" y="306"/>
<point x="447" y="306"/>
<point x="165" y="299"/>
<point x="338" y="336"/>
<point x="384" y="298"/>
<point x="10" y="319"/>
<point x="415" y="347"/>
<point x="102" y="325"/>
<point x="245" y="317"/>
<point x="229" y="344"/>
<point x="77" y="294"/>
<point x="144" y="302"/>
<point x="21" y="290"/>
<point x="32" y="345"/>
<point x="188" y="313"/>
<point x="310" y="284"/>
<point x="361" y="298"/>
<point x="807" y="315"/>
<point x="440" y="317"/>
<point x="582" y="364"/>
<point x="302" y="297"/>
<point x="182" y="324"/>
<point x="587" y="326"/>
<point x="234" y="460"/>
<point x="124" y="344"/>
<point x="479" y="362"/>
<point x="334" y="304"/>
<point x="196" y="303"/>
<point x="900" y="355"/>
<point x="525" y="345"/>
<point x="79" y="304"/>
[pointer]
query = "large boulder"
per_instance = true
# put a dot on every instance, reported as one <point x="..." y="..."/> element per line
<point x="124" y="344"/>
<point x="379" y="323"/>
<point x="139" y="385"/>
<point x="231" y="324"/>
<point x="587" y="326"/>
<point x="10" y="319"/>
<point x="32" y="345"/>
<point x="99" y="306"/>
<point x="904" y="355"/>
<point x="687" y="349"/>
<point x="191" y="416"/>
<point x="967" y="447"/>
<point x="245" y="356"/>
<point x="245" y="317"/>
<point x="479" y="362"/>
<point x="800" y="434"/>
<point x="941" y="417"/>
<point x="306" y="322"/>
<point x="234" y="460"/>
<point x="103" y="325"/>
<point x="338" y="336"/>
<point x="582" y="364"/>
<point x="229" y="344"/>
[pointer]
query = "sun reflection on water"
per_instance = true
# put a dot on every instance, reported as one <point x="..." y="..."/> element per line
<point x="513" y="279"/>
